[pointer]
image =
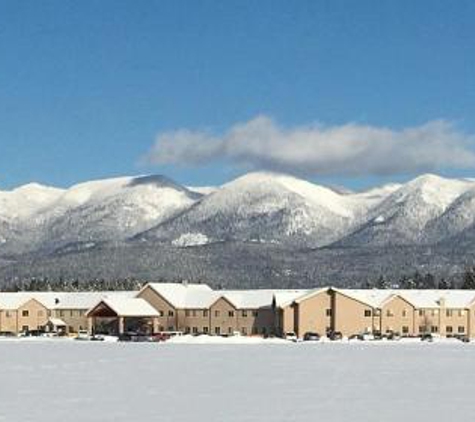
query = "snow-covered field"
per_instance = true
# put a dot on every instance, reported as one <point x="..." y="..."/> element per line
<point x="362" y="382"/>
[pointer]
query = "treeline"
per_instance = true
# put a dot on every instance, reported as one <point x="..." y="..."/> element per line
<point x="63" y="285"/>
<point x="423" y="281"/>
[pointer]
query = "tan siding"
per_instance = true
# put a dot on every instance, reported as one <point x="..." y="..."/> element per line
<point x="312" y="314"/>
<point x="165" y="321"/>
<point x="397" y="314"/>
<point x="349" y="315"/>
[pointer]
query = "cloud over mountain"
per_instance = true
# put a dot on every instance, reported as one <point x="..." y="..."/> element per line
<point x="350" y="149"/>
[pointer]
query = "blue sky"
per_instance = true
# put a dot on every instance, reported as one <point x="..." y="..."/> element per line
<point x="89" y="89"/>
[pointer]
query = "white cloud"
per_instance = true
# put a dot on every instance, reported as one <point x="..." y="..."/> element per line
<point x="350" y="149"/>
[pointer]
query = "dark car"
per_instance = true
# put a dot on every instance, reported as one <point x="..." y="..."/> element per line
<point x="334" y="335"/>
<point x="311" y="336"/>
<point x="427" y="337"/>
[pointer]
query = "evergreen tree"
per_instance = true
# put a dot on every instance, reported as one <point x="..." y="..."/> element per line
<point x="469" y="279"/>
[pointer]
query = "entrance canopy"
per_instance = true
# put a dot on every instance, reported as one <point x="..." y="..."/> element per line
<point x="123" y="307"/>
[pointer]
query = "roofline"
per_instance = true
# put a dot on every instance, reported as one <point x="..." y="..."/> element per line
<point x="150" y="285"/>
<point x="312" y="293"/>
<point x="354" y="298"/>
<point x="223" y="296"/>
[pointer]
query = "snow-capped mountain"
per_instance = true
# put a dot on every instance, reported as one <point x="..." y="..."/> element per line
<point x="261" y="207"/>
<point x="268" y="207"/>
<point x="405" y="215"/>
<point x="104" y="210"/>
<point x="258" y="227"/>
<point x="20" y="207"/>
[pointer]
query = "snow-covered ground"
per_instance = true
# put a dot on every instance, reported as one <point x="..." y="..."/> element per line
<point x="361" y="382"/>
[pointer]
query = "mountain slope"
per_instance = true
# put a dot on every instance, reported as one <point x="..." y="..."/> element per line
<point x="265" y="207"/>
<point x="113" y="209"/>
<point x="404" y="215"/>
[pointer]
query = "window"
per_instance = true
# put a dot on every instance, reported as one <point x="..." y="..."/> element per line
<point x="449" y="329"/>
<point x="405" y="329"/>
<point x="187" y="330"/>
<point x="171" y="328"/>
<point x="161" y="328"/>
<point x="171" y="313"/>
<point x="421" y="312"/>
<point x="231" y="314"/>
<point x="404" y="313"/>
<point x="25" y="328"/>
<point x="367" y="313"/>
<point x="161" y="313"/>
<point x="434" y="329"/>
<point x="187" y="313"/>
<point x="254" y="330"/>
<point x="461" y="312"/>
<point x="195" y="330"/>
<point x="205" y="313"/>
<point x="254" y="313"/>
<point x="434" y="312"/>
<point x="244" y="331"/>
<point x="461" y="329"/>
<point x="25" y="313"/>
<point x="8" y="314"/>
<point x="193" y="312"/>
<point x="244" y="314"/>
<point x="71" y="313"/>
<point x="230" y="330"/>
<point x="205" y="330"/>
<point x="217" y="330"/>
<point x="328" y="312"/>
<point x="389" y="313"/>
<point x="422" y="329"/>
<point x="216" y="314"/>
<point x="448" y="312"/>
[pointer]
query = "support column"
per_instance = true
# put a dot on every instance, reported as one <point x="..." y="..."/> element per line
<point x="90" y="325"/>
<point x="155" y="325"/>
<point x="121" y="325"/>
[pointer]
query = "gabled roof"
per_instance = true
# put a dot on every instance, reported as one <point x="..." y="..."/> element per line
<point x="128" y="307"/>
<point x="59" y="300"/>
<point x="249" y="299"/>
<point x="311" y="293"/>
<point x="432" y="298"/>
<point x="181" y="295"/>
<point x="371" y="297"/>
<point x="285" y="298"/>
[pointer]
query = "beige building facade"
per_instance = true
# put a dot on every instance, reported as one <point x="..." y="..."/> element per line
<point x="197" y="309"/>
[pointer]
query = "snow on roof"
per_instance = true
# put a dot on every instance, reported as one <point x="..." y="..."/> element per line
<point x="371" y="297"/>
<point x="59" y="300"/>
<point x="286" y="297"/>
<point x="418" y="298"/>
<point x="85" y="300"/>
<point x="249" y="299"/>
<point x="183" y="295"/>
<point x="130" y="307"/>
<point x="57" y="322"/>
<point x="432" y="298"/>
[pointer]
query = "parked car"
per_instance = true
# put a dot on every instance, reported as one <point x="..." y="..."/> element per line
<point x="310" y="336"/>
<point x="334" y="335"/>
<point x="82" y="335"/>
<point x="291" y="336"/>
<point x="427" y="337"/>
